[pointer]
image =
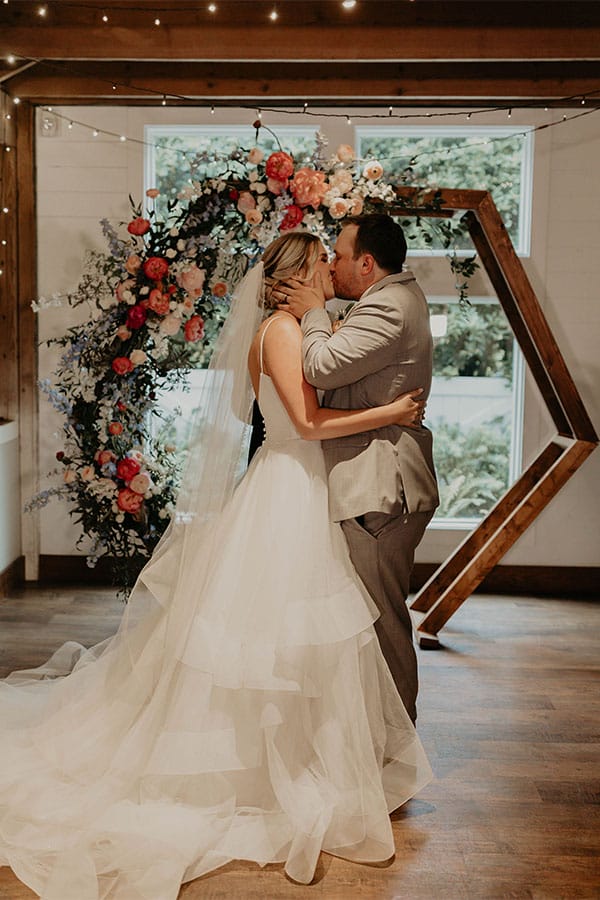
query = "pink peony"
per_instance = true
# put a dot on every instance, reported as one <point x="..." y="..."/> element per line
<point x="155" y="268"/>
<point x="115" y="428"/>
<point x="87" y="473"/>
<point x="170" y="325"/>
<point x="356" y="205"/>
<point x="254" y="217"/>
<point x="246" y="202"/>
<point x="342" y="180"/>
<point x="152" y="193"/>
<point x="293" y="217"/>
<point x="191" y="279"/>
<point x="129" y="501"/>
<point x="159" y="302"/>
<point x="136" y="316"/>
<point x="127" y="468"/>
<point x="308" y="187"/>
<point x="140" y="483"/>
<point x="280" y="166"/>
<point x="121" y="365"/>
<point x="138" y="226"/>
<point x="193" y="329"/>
<point x="132" y="263"/>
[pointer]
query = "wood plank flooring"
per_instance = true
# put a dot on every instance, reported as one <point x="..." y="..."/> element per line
<point x="510" y="717"/>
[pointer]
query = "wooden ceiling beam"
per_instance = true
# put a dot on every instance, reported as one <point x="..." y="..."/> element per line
<point x="397" y="83"/>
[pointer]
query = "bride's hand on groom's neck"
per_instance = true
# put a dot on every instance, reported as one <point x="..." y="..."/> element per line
<point x="297" y="296"/>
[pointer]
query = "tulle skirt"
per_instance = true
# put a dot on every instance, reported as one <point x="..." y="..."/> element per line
<point x="243" y="711"/>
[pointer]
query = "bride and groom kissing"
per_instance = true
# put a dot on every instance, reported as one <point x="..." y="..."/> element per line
<point x="244" y="709"/>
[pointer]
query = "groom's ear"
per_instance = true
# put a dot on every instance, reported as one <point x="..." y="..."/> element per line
<point x="367" y="264"/>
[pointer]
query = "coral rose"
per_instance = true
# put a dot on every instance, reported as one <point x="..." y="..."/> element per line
<point x="87" y="473"/>
<point x="138" y="357"/>
<point x="127" y="468"/>
<point x="69" y="476"/>
<point x="123" y="333"/>
<point x="308" y="187"/>
<point x="293" y="217"/>
<point x="140" y="483"/>
<point x="170" y="325"/>
<point x="122" y="365"/>
<point x="254" y="217"/>
<point x="159" y="302"/>
<point x="136" y="317"/>
<point x="193" y="329"/>
<point x="152" y="193"/>
<point x="132" y="263"/>
<point x="115" y="428"/>
<point x="280" y="166"/>
<point x="219" y="289"/>
<point x="156" y="267"/>
<point x="191" y="279"/>
<point x="129" y="501"/>
<point x="138" y="226"/>
<point x="256" y="156"/>
<point x="246" y="202"/>
<point x="373" y="170"/>
<point x="345" y="153"/>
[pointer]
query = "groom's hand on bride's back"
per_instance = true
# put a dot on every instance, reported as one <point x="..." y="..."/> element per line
<point x="297" y="297"/>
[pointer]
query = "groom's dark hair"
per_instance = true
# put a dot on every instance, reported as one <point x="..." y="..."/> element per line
<point x="382" y="237"/>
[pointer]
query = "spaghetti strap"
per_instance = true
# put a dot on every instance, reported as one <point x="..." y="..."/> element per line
<point x="262" y="338"/>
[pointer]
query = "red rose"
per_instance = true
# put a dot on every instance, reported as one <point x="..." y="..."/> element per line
<point x="293" y="217"/>
<point x="115" y="428"/>
<point x="233" y="194"/>
<point x="136" y="316"/>
<point x="129" y="501"/>
<point x="138" y="226"/>
<point x="193" y="329"/>
<point x="127" y="468"/>
<point x="280" y="165"/>
<point x="155" y="268"/>
<point x="121" y="406"/>
<point x="60" y="455"/>
<point x="122" y="365"/>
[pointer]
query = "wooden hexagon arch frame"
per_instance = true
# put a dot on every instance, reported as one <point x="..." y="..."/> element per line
<point x="575" y="438"/>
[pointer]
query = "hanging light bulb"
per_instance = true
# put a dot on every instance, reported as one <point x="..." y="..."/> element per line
<point x="11" y="60"/>
<point x="95" y="132"/>
<point x="212" y="7"/>
<point x="42" y="10"/>
<point x="273" y="15"/>
<point x="157" y="21"/>
<point x="348" y="120"/>
<point x="16" y="100"/>
<point x="163" y="102"/>
<point x="105" y="18"/>
<point x="509" y="113"/>
<point x="348" y="4"/>
<point x="212" y="110"/>
<point x="390" y="111"/>
<point x="122" y="138"/>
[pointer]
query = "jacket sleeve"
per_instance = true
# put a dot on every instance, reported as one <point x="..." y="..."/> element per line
<point x="364" y="343"/>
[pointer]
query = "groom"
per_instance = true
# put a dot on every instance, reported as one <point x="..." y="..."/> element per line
<point x="382" y="484"/>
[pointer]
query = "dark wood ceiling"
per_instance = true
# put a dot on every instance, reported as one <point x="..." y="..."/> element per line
<point x="401" y="52"/>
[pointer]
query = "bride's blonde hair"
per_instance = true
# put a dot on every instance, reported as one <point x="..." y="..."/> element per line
<point x="292" y="254"/>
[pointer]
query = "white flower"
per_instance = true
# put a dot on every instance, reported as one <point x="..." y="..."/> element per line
<point x="180" y="245"/>
<point x="174" y="232"/>
<point x="171" y="253"/>
<point x="338" y="208"/>
<point x="145" y="289"/>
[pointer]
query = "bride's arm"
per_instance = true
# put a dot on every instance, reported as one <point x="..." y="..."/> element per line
<point x="283" y="363"/>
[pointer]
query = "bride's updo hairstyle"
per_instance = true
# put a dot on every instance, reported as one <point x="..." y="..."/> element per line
<point x="292" y="254"/>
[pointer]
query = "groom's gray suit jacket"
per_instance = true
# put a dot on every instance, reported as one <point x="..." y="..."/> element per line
<point x="382" y="348"/>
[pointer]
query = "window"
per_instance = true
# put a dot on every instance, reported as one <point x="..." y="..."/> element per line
<point x="175" y="155"/>
<point x="493" y="158"/>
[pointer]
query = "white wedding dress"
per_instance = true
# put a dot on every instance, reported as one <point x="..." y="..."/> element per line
<point x="253" y="718"/>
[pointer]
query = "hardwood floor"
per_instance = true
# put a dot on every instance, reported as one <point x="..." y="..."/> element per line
<point x="510" y="717"/>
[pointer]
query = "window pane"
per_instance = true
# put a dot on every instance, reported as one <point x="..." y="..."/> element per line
<point x="493" y="159"/>
<point x="471" y="408"/>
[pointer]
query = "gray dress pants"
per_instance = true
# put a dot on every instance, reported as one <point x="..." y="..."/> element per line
<point x="382" y="549"/>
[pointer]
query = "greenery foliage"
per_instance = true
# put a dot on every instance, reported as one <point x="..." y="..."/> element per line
<point x="478" y="342"/>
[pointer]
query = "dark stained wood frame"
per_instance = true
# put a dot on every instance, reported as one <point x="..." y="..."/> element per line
<point x="468" y="565"/>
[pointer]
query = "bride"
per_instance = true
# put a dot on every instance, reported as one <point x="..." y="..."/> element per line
<point x="244" y="709"/>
